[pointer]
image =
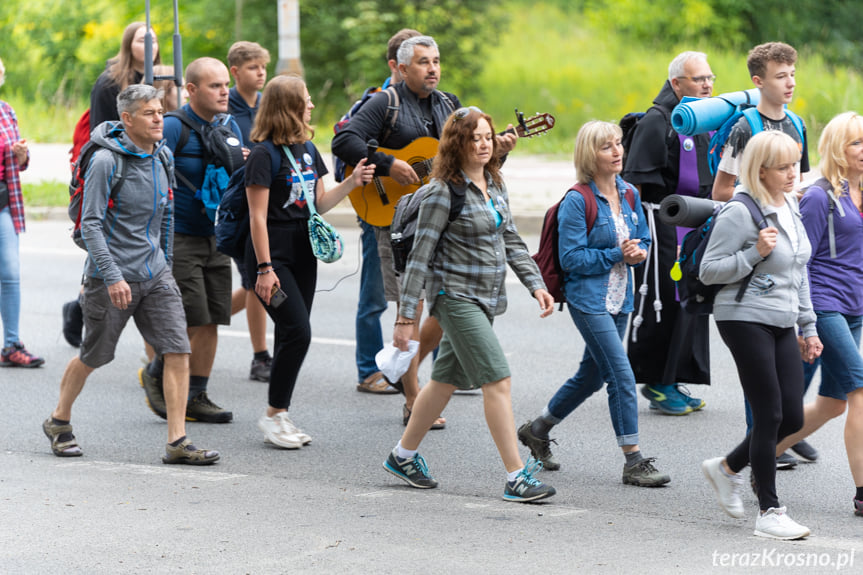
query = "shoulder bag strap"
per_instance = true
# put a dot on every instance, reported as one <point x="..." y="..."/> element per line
<point x="310" y="200"/>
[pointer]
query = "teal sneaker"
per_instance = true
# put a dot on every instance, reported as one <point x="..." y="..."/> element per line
<point x="694" y="402"/>
<point x="666" y="399"/>
<point x="413" y="471"/>
<point x="526" y="487"/>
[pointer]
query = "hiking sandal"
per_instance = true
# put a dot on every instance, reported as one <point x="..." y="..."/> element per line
<point x="188" y="454"/>
<point x="68" y="448"/>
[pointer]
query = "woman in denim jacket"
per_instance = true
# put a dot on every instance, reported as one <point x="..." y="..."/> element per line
<point x="598" y="284"/>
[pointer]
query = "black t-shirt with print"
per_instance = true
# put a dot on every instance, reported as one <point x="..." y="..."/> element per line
<point x="287" y="197"/>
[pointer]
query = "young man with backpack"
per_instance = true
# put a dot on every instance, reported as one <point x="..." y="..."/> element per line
<point x="668" y="346"/>
<point x="202" y="273"/>
<point x="128" y="269"/>
<point x="772" y="68"/>
<point x="248" y="65"/>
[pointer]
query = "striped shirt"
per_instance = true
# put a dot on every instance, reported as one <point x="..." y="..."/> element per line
<point x="8" y="136"/>
<point x="470" y="262"/>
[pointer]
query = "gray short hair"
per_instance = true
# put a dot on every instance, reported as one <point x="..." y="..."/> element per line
<point x="406" y="50"/>
<point x="130" y="99"/>
<point x="675" y="69"/>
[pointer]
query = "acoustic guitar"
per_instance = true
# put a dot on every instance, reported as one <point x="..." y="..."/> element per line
<point x="375" y="203"/>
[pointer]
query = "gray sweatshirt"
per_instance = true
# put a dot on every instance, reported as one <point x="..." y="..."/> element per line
<point x="131" y="240"/>
<point x="778" y="293"/>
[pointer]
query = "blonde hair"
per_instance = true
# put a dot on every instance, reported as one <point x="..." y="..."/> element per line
<point x="766" y="149"/>
<point x="837" y="135"/>
<point x="590" y="138"/>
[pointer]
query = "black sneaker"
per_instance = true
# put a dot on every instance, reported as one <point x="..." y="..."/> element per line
<point x="260" y="370"/>
<point x="539" y="448"/>
<point x="526" y="487"/>
<point x="73" y="323"/>
<point x="200" y="408"/>
<point x="413" y="471"/>
<point x="786" y="461"/>
<point x="805" y="451"/>
<point x="154" y="392"/>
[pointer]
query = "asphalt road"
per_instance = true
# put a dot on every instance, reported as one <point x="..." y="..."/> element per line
<point x="331" y="508"/>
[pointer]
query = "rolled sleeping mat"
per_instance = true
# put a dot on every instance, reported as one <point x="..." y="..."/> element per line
<point x="699" y="115"/>
<point x="686" y="211"/>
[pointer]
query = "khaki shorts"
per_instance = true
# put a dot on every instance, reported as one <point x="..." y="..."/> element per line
<point x="156" y="306"/>
<point x="470" y="354"/>
<point x="204" y="277"/>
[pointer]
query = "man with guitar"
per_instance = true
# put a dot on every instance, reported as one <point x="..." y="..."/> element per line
<point x="412" y="109"/>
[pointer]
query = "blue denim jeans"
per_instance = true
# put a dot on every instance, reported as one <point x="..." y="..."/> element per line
<point x="604" y="361"/>
<point x="371" y="306"/>
<point x="10" y="279"/>
<point x="841" y="363"/>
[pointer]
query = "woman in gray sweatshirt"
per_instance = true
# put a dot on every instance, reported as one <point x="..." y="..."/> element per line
<point x="759" y="330"/>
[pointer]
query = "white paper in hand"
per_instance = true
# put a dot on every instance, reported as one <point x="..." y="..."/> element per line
<point x="393" y="362"/>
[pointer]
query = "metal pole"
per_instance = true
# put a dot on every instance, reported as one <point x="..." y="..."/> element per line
<point x="178" y="56"/>
<point x="148" y="48"/>
<point x="289" y="38"/>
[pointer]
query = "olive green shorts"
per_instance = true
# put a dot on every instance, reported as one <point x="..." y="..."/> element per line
<point x="470" y="354"/>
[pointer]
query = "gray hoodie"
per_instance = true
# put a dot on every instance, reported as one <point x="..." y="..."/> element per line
<point x="131" y="240"/>
<point x="778" y="294"/>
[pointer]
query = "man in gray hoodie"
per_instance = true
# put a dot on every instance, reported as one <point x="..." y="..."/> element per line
<point x="128" y="234"/>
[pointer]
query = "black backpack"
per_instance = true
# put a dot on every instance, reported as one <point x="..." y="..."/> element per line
<point x="630" y="121"/>
<point x="404" y="226"/>
<point x="232" y="217"/>
<point x="696" y="297"/>
<point x="220" y="145"/>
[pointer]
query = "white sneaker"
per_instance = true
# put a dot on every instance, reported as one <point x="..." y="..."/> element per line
<point x="277" y="433"/>
<point x="775" y="524"/>
<point x="304" y="437"/>
<point x="727" y="488"/>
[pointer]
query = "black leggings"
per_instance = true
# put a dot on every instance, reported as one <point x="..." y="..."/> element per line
<point x="296" y="266"/>
<point x="771" y="373"/>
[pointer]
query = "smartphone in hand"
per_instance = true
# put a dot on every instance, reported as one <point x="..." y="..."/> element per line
<point x="277" y="297"/>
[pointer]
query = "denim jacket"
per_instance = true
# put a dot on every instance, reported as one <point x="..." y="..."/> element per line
<point x="587" y="258"/>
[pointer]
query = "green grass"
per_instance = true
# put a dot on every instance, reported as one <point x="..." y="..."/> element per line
<point x="46" y="194"/>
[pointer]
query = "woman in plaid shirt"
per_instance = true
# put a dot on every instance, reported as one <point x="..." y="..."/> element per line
<point x="13" y="157"/>
<point x="462" y="265"/>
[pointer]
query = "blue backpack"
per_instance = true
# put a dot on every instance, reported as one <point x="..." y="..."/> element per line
<point x="696" y="297"/>
<point x="232" y="216"/>
<point x="750" y="112"/>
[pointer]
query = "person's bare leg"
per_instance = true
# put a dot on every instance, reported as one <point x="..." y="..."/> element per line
<point x="854" y="435"/>
<point x="497" y="404"/>
<point x="238" y="300"/>
<point x="815" y="414"/>
<point x="410" y="382"/>
<point x="203" y="340"/>
<point x="430" y="336"/>
<point x="429" y="403"/>
<point x="71" y="384"/>
<point x="256" y="318"/>
<point x="176" y="384"/>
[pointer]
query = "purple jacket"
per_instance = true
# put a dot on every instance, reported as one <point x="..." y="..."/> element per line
<point x="834" y="284"/>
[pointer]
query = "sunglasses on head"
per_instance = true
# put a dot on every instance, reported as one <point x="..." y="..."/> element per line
<point x="462" y="113"/>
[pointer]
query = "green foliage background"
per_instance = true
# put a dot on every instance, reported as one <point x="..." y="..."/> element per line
<point x="578" y="59"/>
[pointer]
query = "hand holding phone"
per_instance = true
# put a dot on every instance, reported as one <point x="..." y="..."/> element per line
<point x="277" y="297"/>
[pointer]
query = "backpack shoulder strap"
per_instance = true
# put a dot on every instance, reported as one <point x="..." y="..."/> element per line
<point x="457" y="198"/>
<point x="754" y="118"/>
<point x="275" y="156"/>
<point x="120" y="172"/>
<point x="446" y="100"/>
<point x="630" y="195"/>
<point x="590" y="207"/>
<point x="187" y="125"/>
<point x="392" y="115"/>
<point x="798" y="123"/>
<point x="834" y="204"/>
<point x="758" y="218"/>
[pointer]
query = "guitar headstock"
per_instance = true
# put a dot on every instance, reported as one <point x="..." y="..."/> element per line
<point x="534" y="126"/>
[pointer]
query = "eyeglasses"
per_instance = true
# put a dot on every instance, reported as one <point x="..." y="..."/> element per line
<point x="462" y="113"/>
<point x="701" y="79"/>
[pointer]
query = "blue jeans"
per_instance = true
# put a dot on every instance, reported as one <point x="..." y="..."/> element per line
<point x="10" y="279"/>
<point x="604" y="361"/>
<point x="371" y="306"/>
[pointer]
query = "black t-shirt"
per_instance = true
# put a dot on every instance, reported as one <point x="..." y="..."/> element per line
<point x="287" y="197"/>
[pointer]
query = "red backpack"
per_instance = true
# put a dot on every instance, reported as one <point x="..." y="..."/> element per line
<point x="547" y="257"/>
<point x="80" y="137"/>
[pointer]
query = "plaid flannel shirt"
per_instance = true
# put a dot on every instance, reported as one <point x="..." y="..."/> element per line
<point x="467" y="258"/>
<point x="9" y="135"/>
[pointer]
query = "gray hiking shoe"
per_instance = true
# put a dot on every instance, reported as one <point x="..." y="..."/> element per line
<point x="200" y="408"/>
<point x="539" y="448"/>
<point x="644" y="474"/>
<point x="154" y="392"/>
